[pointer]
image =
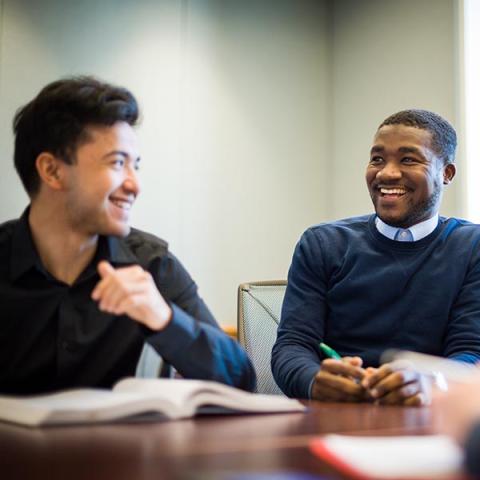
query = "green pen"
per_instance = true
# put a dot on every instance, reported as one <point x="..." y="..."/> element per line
<point x="329" y="351"/>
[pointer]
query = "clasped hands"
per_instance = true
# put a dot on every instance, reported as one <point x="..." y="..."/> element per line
<point x="131" y="291"/>
<point x="346" y="381"/>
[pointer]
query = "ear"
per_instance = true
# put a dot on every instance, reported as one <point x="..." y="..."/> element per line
<point x="448" y="173"/>
<point x="50" y="170"/>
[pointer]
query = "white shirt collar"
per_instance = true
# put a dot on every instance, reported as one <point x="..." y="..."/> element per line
<point x="419" y="231"/>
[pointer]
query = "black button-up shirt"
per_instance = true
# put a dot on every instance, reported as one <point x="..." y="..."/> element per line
<point x="53" y="336"/>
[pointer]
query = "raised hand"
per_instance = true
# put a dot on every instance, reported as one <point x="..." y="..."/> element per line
<point x="131" y="291"/>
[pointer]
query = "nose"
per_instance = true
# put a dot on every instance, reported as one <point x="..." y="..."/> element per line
<point x="390" y="171"/>
<point x="131" y="183"/>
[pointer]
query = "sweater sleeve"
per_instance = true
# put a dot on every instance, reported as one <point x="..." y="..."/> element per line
<point x="462" y="339"/>
<point x="193" y="342"/>
<point x="295" y="357"/>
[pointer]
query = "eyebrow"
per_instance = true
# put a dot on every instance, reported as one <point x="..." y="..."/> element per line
<point x="377" y="149"/>
<point x="121" y="153"/>
<point x="381" y="148"/>
<point x="410" y="150"/>
<point x="116" y="152"/>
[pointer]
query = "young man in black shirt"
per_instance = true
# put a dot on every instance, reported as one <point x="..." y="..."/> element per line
<point x="80" y="290"/>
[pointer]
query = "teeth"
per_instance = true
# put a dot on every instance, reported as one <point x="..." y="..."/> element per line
<point x="392" y="191"/>
<point x="125" y="205"/>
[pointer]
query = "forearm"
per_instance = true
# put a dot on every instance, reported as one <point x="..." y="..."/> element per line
<point x="462" y="338"/>
<point x="294" y="367"/>
<point x="202" y="351"/>
<point x="295" y="355"/>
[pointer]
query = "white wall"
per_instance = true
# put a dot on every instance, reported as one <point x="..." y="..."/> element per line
<point x="235" y="130"/>
<point x="471" y="11"/>
<point x="388" y="55"/>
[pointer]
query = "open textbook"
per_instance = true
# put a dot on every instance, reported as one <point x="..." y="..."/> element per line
<point x="381" y="458"/>
<point x="172" y="398"/>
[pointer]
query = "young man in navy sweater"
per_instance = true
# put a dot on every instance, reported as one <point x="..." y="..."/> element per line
<point x="402" y="278"/>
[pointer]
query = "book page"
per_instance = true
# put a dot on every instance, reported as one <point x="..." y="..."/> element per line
<point x="71" y="404"/>
<point x="176" y="391"/>
<point x="81" y="400"/>
<point x="192" y="394"/>
<point x="431" y="456"/>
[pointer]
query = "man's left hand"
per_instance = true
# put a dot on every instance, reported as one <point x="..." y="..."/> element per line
<point x="391" y="385"/>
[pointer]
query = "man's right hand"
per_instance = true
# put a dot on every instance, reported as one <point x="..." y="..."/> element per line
<point x="339" y="381"/>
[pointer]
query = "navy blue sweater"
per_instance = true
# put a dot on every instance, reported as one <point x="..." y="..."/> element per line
<point x="360" y="292"/>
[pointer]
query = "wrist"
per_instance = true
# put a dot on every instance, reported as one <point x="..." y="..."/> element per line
<point x="162" y="318"/>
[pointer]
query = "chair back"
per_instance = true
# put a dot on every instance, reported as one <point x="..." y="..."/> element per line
<point x="149" y="364"/>
<point x="259" y="307"/>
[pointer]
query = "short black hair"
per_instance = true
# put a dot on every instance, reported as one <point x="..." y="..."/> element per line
<point x="56" y="121"/>
<point x="444" y="137"/>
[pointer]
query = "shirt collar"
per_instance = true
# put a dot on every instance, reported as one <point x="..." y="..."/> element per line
<point x="119" y="251"/>
<point x="419" y="231"/>
<point x="25" y="256"/>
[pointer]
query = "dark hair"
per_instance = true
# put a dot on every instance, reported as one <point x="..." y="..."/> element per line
<point x="56" y="121"/>
<point x="444" y="138"/>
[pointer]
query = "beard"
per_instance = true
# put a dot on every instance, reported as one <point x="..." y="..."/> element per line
<point x="418" y="213"/>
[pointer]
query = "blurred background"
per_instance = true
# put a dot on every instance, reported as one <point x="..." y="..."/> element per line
<point x="258" y="115"/>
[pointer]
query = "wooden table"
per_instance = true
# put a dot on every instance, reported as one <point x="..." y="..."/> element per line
<point x="208" y="447"/>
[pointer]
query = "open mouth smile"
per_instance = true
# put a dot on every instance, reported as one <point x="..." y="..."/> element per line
<point x="122" y="206"/>
<point x="122" y="203"/>
<point x="392" y="191"/>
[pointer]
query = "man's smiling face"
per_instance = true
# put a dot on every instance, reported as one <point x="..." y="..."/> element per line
<point x="102" y="183"/>
<point x="405" y="176"/>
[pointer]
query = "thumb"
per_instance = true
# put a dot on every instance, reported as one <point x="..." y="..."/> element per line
<point x="104" y="268"/>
